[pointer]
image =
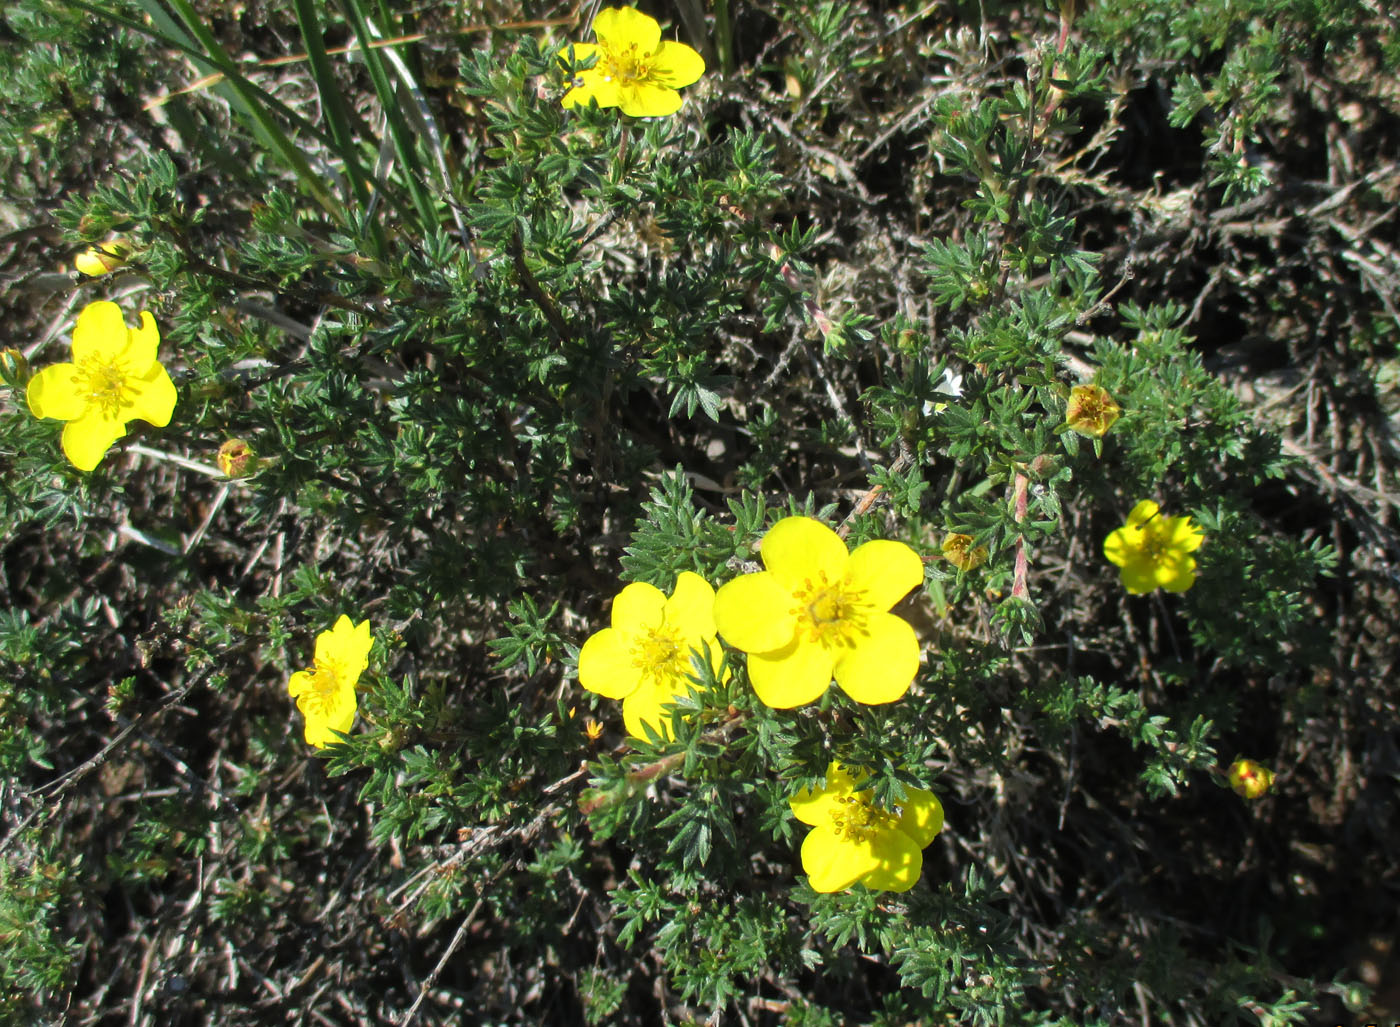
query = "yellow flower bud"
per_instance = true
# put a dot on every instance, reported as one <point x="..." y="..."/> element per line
<point x="1249" y="779"/>
<point x="1091" y="411"/>
<point x="14" y="368"/>
<point x="96" y="261"/>
<point x="237" y="459"/>
<point x="961" y="553"/>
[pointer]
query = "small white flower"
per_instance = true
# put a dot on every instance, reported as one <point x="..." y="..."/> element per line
<point x="949" y="384"/>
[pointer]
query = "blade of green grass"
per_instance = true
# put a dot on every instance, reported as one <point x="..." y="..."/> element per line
<point x="251" y="104"/>
<point x="399" y="132"/>
<point x="333" y="106"/>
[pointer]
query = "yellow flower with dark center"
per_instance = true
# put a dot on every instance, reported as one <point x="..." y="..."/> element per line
<point x="1091" y="411"/>
<point x="961" y="553"/>
<point x="114" y="378"/>
<point x="635" y="69"/>
<point x="1249" y="779"/>
<point x="854" y="841"/>
<point x="644" y="657"/>
<point x="1152" y="551"/>
<point x="818" y="611"/>
<point x="325" y="694"/>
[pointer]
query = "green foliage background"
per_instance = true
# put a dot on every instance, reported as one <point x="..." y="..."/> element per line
<point x="497" y="359"/>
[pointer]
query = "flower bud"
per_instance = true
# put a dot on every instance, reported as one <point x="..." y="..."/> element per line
<point x="14" y="368"/>
<point x="1091" y="411"/>
<point x="1249" y="779"/>
<point x="237" y="459"/>
<point x="96" y="261"/>
<point x="961" y="553"/>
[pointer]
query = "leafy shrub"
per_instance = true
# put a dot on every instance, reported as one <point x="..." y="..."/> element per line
<point x="462" y="362"/>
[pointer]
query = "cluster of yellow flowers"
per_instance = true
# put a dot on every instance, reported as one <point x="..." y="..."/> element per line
<point x="816" y="612"/>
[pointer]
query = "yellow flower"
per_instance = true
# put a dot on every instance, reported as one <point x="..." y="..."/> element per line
<point x="593" y="729"/>
<point x="96" y="261"/>
<point x="853" y="841"/>
<point x="1091" y="411"/>
<point x="114" y="378"/>
<point x="961" y="553"/>
<point x="325" y="694"/>
<point x="644" y="658"/>
<point x="817" y="611"/>
<point x="1152" y="551"/>
<point x="635" y="69"/>
<point x="1249" y="779"/>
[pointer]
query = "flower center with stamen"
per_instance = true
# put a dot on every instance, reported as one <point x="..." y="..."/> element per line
<point x="326" y="688"/>
<point x="1155" y="543"/>
<point x="829" y="612"/>
<point x="660" y="654"/>
<point x="624" y="64"/>
<point x="854" y="818"/>
<point x="105" y="385"/>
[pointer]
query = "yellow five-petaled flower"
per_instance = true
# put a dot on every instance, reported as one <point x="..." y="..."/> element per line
<point x="1091" y="411"/>
<point x="854" y="841"/>
<point x="114" y="378"/>
<point x="1153" y="551"/>
<point x="635" y="69"/>
<point x="644" y="657"/>
<point x="325" y="694"/>
<point x="818" y="611"/>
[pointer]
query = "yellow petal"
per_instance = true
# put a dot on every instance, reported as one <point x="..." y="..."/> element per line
<point x="352" y="643"/>
<point x="754" y="613"/>
<point x="886" y="571"/>
<point x="1142" y="513"/>
<point x="645" y="706"/>
<point x="320" y="728"/>
<point x="676" y="65"/>
<point x="638" y="607"/>
<point x="150" y="397"/>
<point x="1122" y="545"/>
<point x="800" y="549"/>
<point x="815" y="808"/>
<point x="606" y="666"/>
<point x="881" y="666"/>
<point x="792" y="676"/>
<point x="87" y="439"/>
<point x="691" y="608"/>
<point x="643" y="99"/>
<point x="922" y="816"/>
<point x="142" y="344"/>
<point x="101" y="332"/>
<point x="1175" y="573"/>
<point x="898" y="862"/>
<point x="1184" y="536"/>
<point x="589" y="86"/>
<point x="617" y="28"/>
<point x="1139" y="576"/>
<point x="300" y="682"/>
<point x="53" y="392"/>
<point x="316" y="733"/>
<point x="834" y="863"/>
